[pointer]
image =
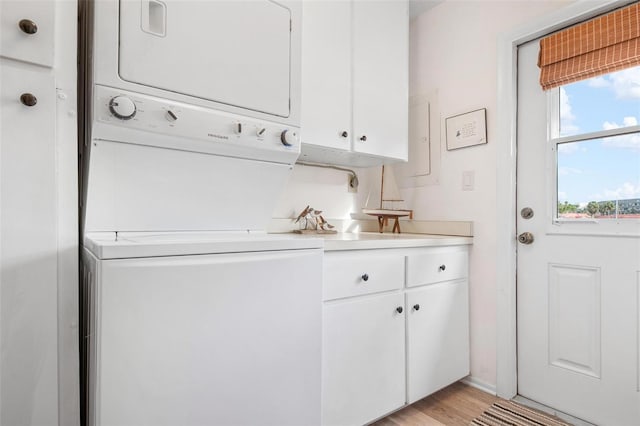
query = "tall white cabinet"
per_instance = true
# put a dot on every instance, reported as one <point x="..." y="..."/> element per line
<point x="355" y="77"/>
<point x="38" y="214"/>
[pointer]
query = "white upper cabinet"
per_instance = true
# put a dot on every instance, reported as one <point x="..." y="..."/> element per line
<point x="326" y="71"/>
<point x="380" y="78"/>
<point x="355" y="82"/>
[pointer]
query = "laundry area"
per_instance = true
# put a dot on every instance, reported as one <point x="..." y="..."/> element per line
<point x="304" y="212"/>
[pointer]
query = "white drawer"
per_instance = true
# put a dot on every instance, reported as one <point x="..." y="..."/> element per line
<point x="16" y="42"/>
<point x="436" y="265"/>
<point x="362" y="272"/>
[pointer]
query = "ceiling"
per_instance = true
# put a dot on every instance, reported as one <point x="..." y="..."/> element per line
<point x="416" y="7"/>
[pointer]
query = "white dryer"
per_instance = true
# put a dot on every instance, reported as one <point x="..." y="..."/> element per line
<point x="193" y="315"/>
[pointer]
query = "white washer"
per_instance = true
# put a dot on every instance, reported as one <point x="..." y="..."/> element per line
<point x="203" y="329"/>
<point x="193" y="315"/>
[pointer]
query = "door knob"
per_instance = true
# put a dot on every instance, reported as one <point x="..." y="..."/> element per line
<point x="525" y="238"/>
<point x="28" y="26"/>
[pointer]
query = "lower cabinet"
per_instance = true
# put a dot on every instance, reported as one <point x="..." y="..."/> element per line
<point x="363" y="358"/>
<point x="399" y="342"/>
<point x="437" y="337"/>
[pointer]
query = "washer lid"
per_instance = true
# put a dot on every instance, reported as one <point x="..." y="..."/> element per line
<point x="125" y="245"/>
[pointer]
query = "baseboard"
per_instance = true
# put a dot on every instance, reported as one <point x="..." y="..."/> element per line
<point x="480" y="384"/>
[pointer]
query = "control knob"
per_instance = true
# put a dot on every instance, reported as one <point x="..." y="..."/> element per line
<point x="170" y="116"/>
<point x="122" y="107"/>
<point x="289" y="137"/>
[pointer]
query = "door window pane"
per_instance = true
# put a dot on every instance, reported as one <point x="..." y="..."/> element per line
<point x="601" y="103"/>
<point x="599" y="178"/>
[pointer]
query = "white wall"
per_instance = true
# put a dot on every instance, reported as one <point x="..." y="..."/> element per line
<point x="453" y="50"/>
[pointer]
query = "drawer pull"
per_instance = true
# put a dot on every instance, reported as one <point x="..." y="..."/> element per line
<point x="399" y="309"/>
<point x="442" y="267"/>
<point x="344" y="134"/>
<point x="365" y="277"/>
<point x="363" y="138"/>
<point x="28" y="26"/>
<point x="28" y="99"/>
<point x="416" y="307"/>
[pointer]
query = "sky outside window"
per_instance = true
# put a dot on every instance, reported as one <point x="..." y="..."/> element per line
<point x="600" y="169"/>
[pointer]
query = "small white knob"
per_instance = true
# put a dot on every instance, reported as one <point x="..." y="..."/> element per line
<point x="237" y="128"/>
<point x="289" y="137"/>
<point x="122" y="107"/>
<point x="261" y="131"/>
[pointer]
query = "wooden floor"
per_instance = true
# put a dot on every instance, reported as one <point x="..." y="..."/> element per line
<point x="455" y="405"/>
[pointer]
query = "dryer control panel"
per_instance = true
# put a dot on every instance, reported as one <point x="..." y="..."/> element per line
<point x="128" y="117"/>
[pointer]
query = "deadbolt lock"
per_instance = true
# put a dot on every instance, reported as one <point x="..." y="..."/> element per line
<point x="525" y="238"/>
<point x="526" y="213"/>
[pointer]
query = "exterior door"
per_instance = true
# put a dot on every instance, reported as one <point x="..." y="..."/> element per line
<point x="578" y="281"/>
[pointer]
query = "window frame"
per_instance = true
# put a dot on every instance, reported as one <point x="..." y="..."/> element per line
<point x="569" y="226"/>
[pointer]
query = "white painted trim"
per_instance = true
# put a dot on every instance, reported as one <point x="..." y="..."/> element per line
<point x="506" y="359"/>
<point x="479" y="384"/>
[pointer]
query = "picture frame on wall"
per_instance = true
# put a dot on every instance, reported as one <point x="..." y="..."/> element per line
<point x="465" y="130"/>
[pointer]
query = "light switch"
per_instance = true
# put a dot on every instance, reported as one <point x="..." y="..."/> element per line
<point x="468" y="180"/>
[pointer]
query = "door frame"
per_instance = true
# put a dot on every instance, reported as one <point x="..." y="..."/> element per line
<point x="506" y="324"/>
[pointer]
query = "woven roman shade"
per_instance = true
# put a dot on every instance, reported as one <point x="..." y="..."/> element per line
<point x="599" y="46"/>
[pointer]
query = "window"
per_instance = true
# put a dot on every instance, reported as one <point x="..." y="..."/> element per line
<point x="595" y="136"/>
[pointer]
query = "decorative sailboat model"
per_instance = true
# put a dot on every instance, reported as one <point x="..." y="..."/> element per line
<point x="389" y="194"/>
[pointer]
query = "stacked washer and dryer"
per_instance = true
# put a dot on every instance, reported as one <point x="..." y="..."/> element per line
<point x="193" y="314"/>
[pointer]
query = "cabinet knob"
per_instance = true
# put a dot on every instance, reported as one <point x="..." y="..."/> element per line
<point x="365" y="277"/>
<point x="28" y="99"/>
<point x="442" y="267"/>
<point x="344" y="134"/>
<point x="28" y="26"/>
<point x="363" y="138"/>
<point x="416" y="307"/>
<point x="399" y="309"/>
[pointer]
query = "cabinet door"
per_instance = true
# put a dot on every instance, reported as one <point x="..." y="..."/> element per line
<point x="380" y="78"/>
<point x="437" y="337"/>
<point x="326" y="74"/>
<point x="28" y="237"/>
<point x="363" y="359"/>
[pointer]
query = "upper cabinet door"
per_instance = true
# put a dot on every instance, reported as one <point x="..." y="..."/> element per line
<point x="381" y="78"/>
<point x="27" y="31"/>
<point x="237" y="53"/>
<point x="326" y="74"/>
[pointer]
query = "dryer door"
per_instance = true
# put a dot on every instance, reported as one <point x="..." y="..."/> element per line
<point x="232" y="52"/>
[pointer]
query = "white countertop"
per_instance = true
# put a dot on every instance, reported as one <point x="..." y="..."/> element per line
<point x="375" y="240"/>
